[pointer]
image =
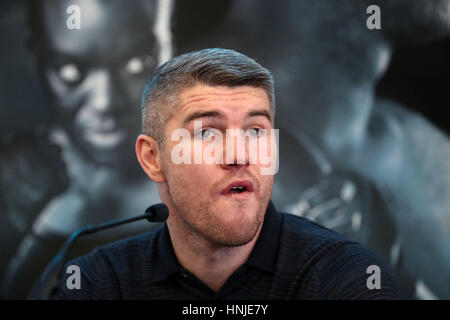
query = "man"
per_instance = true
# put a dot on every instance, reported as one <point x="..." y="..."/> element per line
<point x="330" y="68"/>
<point x="93" y="84"/>
<point x="223" y="237"/>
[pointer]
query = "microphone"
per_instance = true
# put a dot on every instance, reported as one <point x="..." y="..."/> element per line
<point x="48" y="281"/>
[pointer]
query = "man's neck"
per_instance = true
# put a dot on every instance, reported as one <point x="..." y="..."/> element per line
<point x="212" y="264"/>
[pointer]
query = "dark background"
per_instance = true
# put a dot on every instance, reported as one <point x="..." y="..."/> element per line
<point x="416" y="78"/>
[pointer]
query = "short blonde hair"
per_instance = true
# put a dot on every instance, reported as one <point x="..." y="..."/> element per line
<point x="214" y="67"/>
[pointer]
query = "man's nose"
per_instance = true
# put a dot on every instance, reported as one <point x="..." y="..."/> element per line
<point x="105" y="94"/>
<point x="236" y="155"/>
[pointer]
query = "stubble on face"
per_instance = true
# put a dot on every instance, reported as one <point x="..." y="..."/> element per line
<point x="204" y="214"/>
<point x="201" y="216"/>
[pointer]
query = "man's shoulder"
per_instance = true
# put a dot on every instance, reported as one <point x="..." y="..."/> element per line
<point x="335" y="266"/>
<point x="306" y="233"/>
<point x="307" y="240"/>
<point x="136" y="244"/>
<point x="127" y="255"/>
<point x="108" y="269"/>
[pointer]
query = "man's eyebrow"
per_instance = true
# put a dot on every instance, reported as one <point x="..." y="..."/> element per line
<point x="257" y="113"/>
<point x="202" y="114"/>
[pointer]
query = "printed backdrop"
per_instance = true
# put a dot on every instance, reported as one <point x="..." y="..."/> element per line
<point x="361" y="107"/>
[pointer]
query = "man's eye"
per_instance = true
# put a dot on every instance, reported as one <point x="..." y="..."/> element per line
<point x="205" y="134"/>
<point x="69" y="73"/>
<point x="255" y="132"/>
<point x="137" y="65"/>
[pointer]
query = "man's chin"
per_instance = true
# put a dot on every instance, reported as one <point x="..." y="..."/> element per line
<point x="235" y="238"/>
<point x="107" y="159"/>
<point x="237" y="226"/>
<point x="118" y="157"/>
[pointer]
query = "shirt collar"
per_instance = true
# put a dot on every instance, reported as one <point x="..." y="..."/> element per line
<point x="166" y="260"/>
<point x="263" y="255"/>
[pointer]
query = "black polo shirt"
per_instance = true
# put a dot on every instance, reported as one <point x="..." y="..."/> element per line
<point x="293" y="258"/>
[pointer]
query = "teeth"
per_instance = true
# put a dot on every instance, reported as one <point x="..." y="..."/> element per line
<point x="239" y="189"/>
<point x="105" y="140"/>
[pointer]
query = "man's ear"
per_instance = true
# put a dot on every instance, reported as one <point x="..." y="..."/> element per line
<point x="149" y="157"/>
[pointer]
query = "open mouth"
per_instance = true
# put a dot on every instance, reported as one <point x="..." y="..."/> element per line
<point x="238" y="187"/>
<point x="238" y="190"/>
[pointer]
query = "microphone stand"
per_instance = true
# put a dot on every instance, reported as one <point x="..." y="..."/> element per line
<point x="48" y="281"/>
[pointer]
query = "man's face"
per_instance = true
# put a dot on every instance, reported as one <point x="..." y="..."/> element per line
<point x="202" y="195"/>
<point x="96" y="74"/>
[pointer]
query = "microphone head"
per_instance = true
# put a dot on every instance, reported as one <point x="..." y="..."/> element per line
<point x="157" y="212"/>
